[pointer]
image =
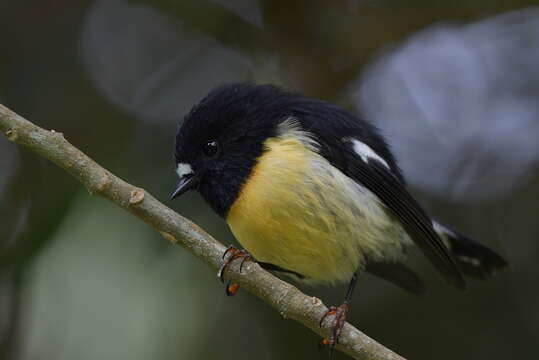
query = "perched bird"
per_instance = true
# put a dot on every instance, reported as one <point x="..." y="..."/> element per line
<point x="309" y="189"/>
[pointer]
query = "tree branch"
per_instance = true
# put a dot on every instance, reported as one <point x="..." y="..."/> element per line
<point x="285" y="298"/>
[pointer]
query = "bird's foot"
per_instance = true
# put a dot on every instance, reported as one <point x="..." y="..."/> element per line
<point x="229" y="256"/>
<point x="337" y="324"/>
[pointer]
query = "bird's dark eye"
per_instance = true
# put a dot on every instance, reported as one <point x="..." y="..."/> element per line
<point x="211" y="148"/>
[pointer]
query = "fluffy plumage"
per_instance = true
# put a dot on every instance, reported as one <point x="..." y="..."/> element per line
<point x="299" y="212"/>
<point x="307" y="187"/>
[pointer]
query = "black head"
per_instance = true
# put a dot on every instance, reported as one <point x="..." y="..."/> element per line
<point x="218" y="142"/>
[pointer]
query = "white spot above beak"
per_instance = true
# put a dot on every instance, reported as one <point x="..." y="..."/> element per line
<point x="184" y="169"/>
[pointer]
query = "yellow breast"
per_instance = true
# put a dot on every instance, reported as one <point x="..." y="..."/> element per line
<point x="299" y="212"/>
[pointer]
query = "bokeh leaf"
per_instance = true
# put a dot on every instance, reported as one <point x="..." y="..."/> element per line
<point x="459" y="104"/>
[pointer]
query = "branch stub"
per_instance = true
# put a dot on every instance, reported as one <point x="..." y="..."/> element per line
<point x="136" y="197"/>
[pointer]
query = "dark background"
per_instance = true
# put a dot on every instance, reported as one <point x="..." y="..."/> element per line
<point x="454" y="86"/>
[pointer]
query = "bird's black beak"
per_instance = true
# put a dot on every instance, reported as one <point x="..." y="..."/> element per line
<point x="187" y="182"/>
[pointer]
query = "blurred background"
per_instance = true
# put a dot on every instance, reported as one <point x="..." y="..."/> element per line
<point x="453" y="85"/>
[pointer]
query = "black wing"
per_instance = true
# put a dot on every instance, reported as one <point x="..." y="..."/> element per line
<point x="376" y="177"/>
<point x="332" y="125"/>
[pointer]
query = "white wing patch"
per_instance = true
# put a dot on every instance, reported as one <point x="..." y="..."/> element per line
<point x="366" y="153"/>
<point x="444" y="233"/>
<point x="184" y="169"/>
<point x="440" y="229"/>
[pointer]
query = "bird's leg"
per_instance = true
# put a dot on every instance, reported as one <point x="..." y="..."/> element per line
<point x="231" y="287"/>
<point x="231" y="254"/>
<point x="339" y="318"/>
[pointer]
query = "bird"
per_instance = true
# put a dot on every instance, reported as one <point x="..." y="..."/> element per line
<point x="313" y="191"/>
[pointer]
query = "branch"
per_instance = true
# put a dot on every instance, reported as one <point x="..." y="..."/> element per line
<point x="285" y="298"/>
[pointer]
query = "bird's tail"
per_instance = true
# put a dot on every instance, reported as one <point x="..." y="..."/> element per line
<point x="474" y="259"/>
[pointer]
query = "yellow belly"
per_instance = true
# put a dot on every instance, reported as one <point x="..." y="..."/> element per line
<point x="300" y="213"/>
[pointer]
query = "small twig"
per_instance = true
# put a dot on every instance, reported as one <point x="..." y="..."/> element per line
<point x="285" y="298"/>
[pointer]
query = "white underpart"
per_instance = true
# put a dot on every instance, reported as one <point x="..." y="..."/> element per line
<point x="366" y="152"/>
<point x="184" y="169"/>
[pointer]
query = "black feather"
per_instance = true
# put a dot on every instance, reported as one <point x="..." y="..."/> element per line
<point x="473" y="258"/>
<point x="412" y="217"/>
<point x="242" y="116"/>
<point x="397" y="274"/>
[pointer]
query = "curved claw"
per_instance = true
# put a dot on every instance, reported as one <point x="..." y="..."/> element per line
<point x="221" y="271"/>
<point x="337" y="324"/>
<point x="331" y="311"/>
<point x="232" y="288"/>
<point x="245" y="257"/>
<point x="228" y="249"/>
